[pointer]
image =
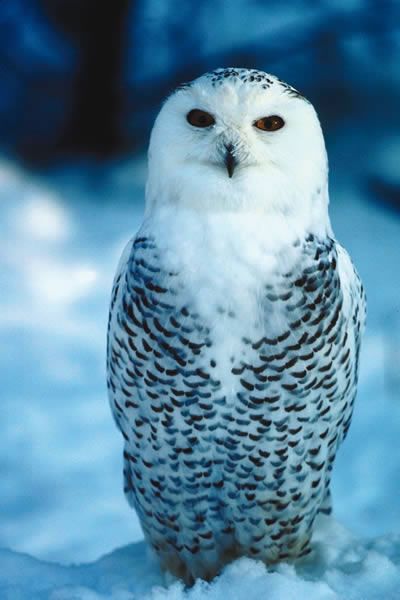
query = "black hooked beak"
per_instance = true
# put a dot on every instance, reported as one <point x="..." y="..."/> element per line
<point x="230" y="160"/>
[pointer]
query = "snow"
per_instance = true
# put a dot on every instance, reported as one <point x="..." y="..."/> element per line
<point x="62" y="499"/>
<point x="56" y="274"/>
<point x="341" y="568"/>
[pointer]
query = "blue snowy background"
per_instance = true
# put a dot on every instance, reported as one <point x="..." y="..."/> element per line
<point x="80" y="84"/>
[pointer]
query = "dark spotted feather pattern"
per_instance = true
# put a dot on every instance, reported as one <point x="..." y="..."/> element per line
<point x="213" y="470"/>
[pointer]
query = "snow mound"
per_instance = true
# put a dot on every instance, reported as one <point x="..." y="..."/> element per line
<point x="341" y="568"/>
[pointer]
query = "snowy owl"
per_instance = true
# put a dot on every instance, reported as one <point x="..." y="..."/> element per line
<point x="234" y="330"/>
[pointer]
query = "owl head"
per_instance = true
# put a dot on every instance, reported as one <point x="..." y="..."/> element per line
<point x="238" y="140"/>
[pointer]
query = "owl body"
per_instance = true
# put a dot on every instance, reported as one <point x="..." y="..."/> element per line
<point x="233" y="346"/>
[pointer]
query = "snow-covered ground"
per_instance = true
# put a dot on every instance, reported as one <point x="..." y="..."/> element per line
<point x="61" y="458"/>
<point x="342" y="568"/>
<point x="60" y="464"/>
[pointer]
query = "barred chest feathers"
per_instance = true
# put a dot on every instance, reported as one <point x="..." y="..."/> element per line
<point x="232" y="378"/>
<point x="225" y="266"/>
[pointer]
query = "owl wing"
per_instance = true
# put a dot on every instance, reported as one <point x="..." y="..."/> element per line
<point x="354" y="312"/>
<point x="354" y="298"/>
<point x="114" y="331"/>
<point x="159" y="390"/>
<point x="354" y="317"/>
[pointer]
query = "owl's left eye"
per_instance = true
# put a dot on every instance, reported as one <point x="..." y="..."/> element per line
<point x="272" y="123"/>
<point x="200" y="118"/>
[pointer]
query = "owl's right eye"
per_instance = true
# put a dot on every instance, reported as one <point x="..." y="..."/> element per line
<point x="200" y="118"/>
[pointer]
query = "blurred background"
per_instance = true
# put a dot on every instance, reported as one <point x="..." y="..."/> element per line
<point x="80" y="84"/>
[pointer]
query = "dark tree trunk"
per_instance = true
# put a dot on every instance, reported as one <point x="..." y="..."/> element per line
<point x="97" y="30"/>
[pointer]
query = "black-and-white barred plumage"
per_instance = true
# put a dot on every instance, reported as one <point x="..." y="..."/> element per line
<point x="208" y="473"/>
<point x="232" y="418"/>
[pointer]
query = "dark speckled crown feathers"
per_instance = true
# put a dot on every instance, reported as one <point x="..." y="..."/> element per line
<point x="252" y="77"/>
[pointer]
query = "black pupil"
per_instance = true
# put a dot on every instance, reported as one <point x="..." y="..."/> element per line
<point x="271" y="122"/>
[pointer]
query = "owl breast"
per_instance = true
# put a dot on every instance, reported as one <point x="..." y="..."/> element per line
<point x="232" y="405"/>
